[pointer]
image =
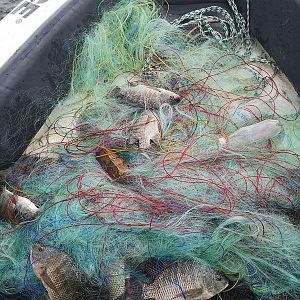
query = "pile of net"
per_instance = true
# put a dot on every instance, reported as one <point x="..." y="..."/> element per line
<point x="173" y="144"/>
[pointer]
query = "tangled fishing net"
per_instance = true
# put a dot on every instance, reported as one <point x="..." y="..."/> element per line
<point x="210" y="191"/>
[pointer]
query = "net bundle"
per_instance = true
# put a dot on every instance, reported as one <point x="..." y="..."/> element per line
<point x="220" y="186"/>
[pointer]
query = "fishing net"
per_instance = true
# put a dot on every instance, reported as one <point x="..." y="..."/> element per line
<point x="210" y="191"/>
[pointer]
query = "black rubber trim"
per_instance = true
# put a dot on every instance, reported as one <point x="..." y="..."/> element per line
<point x="185" y="2"/>
<point x="38" y="73"/>
<point x="276" y="24"/>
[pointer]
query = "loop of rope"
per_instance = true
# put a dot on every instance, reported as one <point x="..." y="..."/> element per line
<point x="235" y="28"/>
<point x="236" y="32"/>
